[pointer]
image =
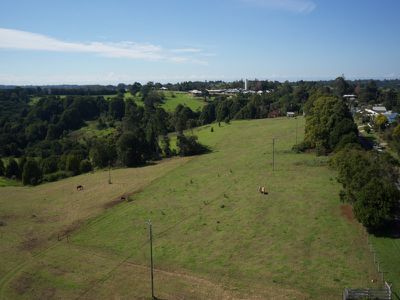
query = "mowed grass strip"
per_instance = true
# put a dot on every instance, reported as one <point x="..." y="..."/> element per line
<point x="211" y="224"/>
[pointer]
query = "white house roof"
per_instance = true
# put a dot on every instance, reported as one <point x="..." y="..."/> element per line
<point x="370" y="111"/>
<point x="379" y="109"/>
<point x="195" y="92"/>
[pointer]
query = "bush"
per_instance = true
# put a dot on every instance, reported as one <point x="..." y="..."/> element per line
<point x="301" y="147"/>
<point x="73" y="163"/>
<point x="21" y="164"/>
<point x="31" y="174"/>
<point x="1" y="167"/>
<point x="50" y="164"/>
<point x="56" y="176"/>
<point x="375" y="203"/>
<point x="368" y="181"/>
<point x="132" y="148"/>
<point x="85" y="166"/>
<point x="12" y="169"/>
<point x="189" y="146"/>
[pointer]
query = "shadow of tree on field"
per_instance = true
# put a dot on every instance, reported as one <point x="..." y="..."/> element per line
<point x="391" y="230"/>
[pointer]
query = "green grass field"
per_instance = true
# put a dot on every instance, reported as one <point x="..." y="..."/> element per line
<point x="8" y="182"/>
<point x="215" y="235"/>
<point x="173" y="99"/>
<point x="91" y="131"/>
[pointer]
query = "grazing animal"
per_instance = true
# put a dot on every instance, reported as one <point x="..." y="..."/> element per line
<point x="262" y="190"/>
<point x="123" y="198"/>
<point x="79" y="188"/>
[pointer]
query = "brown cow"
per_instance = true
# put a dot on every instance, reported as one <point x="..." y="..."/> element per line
<point x="79" y="188"/>
<point x="262" y="190"/>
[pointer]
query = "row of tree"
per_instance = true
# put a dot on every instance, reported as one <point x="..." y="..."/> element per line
<point x="368" y="177"/>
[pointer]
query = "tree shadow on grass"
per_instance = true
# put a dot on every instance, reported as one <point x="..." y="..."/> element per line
<point x="391" y="230"/>
<point x="367" y="142"/>
<point x="396" y="296"/>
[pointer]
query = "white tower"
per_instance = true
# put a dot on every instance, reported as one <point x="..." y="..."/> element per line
<point x="246" y="84"/>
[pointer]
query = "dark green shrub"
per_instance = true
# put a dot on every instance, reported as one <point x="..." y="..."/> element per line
<point x="32" y="174"/>
<point x="85" y="166"/>
<point x="56" y="176"/>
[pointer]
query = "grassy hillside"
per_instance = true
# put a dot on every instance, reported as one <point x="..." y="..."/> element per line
<point x="215" y="235"/>
<point x="35" y="216"/>
<point x="172" y="99"/>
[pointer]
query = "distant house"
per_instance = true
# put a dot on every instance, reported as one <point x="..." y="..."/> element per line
<point x="216" y="91"/>
<point x="196" y="92"/>
<point x="350" y="97"/>
<point x="391" y="116"/>
<point x="290" y="114"/>
<point x="379" y="109"/>
<point x="232" y="91"/>
<point x="163" y="88"/>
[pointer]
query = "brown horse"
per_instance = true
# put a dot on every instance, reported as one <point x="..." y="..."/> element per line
<point x="79" y="188"/>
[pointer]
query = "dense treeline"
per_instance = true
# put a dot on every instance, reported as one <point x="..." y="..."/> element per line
<point x="368" y="177"/>
<point x="37" y="145"/>
<point x="368" y="180"/>
<point x="38" y="135"/>
<point x="329" y="124"/>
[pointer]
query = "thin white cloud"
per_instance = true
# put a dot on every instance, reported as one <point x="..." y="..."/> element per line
<point x="296" y="6"/>
<point x="24" y="40"/>
<point x="186" y="50"/>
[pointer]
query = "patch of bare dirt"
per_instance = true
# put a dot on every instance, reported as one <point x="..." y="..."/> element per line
<point x="30" y="244"/>
<point x="114" y="202"/>
<point x="347" y="212"/>
<point x="47" y="219"/>
<point x="120" y="199"/>
<point x="72" y="228"/>
<point x="23" y="285"/>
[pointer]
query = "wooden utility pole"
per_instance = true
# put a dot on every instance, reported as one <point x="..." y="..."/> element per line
<point x="151" y="259"/>
<point x="109" y="172"/>
<point x="296" y="130"/>
<point x="273" y="154"/>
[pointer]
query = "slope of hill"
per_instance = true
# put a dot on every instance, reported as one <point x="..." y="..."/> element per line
<point x="215" y="235"/>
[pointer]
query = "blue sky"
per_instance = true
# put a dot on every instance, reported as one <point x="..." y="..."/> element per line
<point x="107" y="42"/>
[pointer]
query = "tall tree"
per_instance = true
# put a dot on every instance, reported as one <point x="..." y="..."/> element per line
<point x="31" y="174"/>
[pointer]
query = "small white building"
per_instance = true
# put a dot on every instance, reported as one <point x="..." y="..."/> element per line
<point x="350" y="96"/>
<point x="163" y="88"/>
<point x="290" y="114"/>
<point x="379" y="109"/>
<point x="196" y="92"/>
